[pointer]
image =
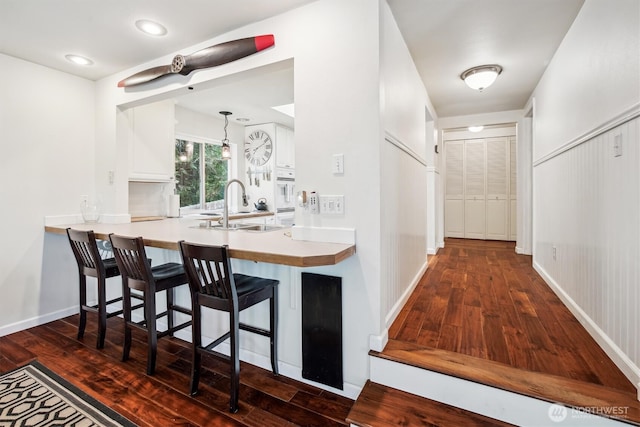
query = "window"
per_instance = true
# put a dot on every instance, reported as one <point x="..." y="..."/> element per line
<point x="200" y="174"/>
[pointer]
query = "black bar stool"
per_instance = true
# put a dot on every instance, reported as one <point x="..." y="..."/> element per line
<point x="138" y="274"/>
<point x="214" y="285"/>
<point x="91" y="262"/>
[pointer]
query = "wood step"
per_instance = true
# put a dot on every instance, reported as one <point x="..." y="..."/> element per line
<point x="380" y="406"/>
<point x="552" y="388"/>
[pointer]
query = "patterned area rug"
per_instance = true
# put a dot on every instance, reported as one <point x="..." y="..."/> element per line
<point x="35" y="396"/>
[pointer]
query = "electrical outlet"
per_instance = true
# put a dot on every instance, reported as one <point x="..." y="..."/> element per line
<point x="617" y="145"/>
<point x="554" y="252"/>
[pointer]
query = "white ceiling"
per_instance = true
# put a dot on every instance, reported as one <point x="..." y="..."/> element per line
<point x="444" y="38"/>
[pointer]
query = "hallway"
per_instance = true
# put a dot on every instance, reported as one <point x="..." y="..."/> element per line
<point x="482" y="313"/>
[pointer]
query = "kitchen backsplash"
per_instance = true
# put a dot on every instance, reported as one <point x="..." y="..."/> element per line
<point x="149" y="198"/>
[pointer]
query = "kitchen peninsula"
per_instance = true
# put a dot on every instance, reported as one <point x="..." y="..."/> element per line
<point x="300" y="266"/>
<point x="274" y="247"/>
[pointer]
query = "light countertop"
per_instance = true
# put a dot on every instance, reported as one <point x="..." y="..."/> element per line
<point x="276" y="246"/>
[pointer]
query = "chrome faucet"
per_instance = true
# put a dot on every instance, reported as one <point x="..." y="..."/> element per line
<point x="225" y="214"/>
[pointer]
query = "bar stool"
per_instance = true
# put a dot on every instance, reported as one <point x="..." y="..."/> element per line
<point x="137" y="273"/>
<point x="93" y="264"/>
<point x="214" y="285"/>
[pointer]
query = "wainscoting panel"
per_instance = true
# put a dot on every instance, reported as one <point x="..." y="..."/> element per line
<point x="587" y="236"/>
<point x="404" y="244"/>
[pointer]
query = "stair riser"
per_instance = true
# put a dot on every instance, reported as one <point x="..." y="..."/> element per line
<point x="479" y="398"/>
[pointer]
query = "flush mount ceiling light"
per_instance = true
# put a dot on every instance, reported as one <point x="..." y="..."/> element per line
<point x="151" y="28"/>
<point x="226" y="149"/>
<point x="78" y="60"/>
<point x="481" y="77"/>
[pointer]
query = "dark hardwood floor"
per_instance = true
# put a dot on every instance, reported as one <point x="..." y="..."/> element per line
<point x="163" y="399"/>
<point x="478" y="301"/>
<point x="481" y="299"/>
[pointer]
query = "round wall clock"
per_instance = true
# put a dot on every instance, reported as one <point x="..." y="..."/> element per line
<point x="258" y="148"/>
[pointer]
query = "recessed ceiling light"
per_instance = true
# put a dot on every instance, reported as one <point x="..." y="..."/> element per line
<point x="78" y="60"/>
<point x="150" y="27"/>
<point x="475" y="128"/>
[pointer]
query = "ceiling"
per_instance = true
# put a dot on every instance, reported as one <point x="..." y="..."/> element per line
<point x="444" y="38"/>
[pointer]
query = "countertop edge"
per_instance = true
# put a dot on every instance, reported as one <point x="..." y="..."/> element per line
<point x="330" y="257"/>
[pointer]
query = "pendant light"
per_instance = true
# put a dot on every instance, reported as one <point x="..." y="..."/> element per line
<point x="481" y="77"/>
<point x="226" y="149"/>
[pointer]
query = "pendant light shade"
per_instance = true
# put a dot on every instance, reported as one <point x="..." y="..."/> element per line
<point x="226" y="149"/>
<point x="481" y="77"/>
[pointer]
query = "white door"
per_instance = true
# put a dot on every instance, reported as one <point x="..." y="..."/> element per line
<point x="454" y="189"/>
<point x="474" y="186"/>
<point x="497" y="150"/>
<point x="513" y="190"/>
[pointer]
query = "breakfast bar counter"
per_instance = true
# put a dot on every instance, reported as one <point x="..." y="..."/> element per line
<point x="274" y="246"/>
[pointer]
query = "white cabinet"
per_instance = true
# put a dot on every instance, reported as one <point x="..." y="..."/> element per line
<point x="152" y="142"/>
<point x="474" y="189"/>
<point x="480" y="188"/>
<point x="513" y="200"/>
<point x="454" y="190"/>
<point x="285" y="148"/>
<point x="497" y="188"/>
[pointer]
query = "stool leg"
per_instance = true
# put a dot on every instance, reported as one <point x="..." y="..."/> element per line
<point x="152" y="334"/>
<point x="126" y="313"/>
<point x="234" y="359"/>
<point x="170" y="313"/>
<point x="273" y="330"/>
<point x="196" y="344"/>
<point x="102" y="312"/>
<point x="82" y="323"/>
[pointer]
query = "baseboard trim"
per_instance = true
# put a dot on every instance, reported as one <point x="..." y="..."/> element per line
<point x="37" y="321"/>
<point x="378" y="342"/>
<point x="290" y="371"/>
<point x="615" y="353"/>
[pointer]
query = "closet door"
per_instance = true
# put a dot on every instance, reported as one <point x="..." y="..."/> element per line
<point x="454" y="189"/>
<point x="474" y="185"/>
<point x="497" y="188"/>
<point x="513" y="190"/>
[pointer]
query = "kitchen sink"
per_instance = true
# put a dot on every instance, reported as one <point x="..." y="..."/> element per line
<point x="260" y="228"/>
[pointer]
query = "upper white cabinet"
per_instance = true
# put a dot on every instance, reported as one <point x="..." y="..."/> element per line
<point x="285" y="148"/>
<point x="152" y="142"/>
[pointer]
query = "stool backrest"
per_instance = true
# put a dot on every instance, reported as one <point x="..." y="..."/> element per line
<point x="85" y="249"/>
<point x="131" y="257"/>
<point x="208" y="270"/>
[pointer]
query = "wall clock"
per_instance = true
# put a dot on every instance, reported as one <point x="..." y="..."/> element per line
<point x="258" y="148"/>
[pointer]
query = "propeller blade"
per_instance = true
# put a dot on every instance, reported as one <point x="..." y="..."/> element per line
<point x="224" y="53"/>
<point x="205" y="58"/>
<point x="145" y="76"/>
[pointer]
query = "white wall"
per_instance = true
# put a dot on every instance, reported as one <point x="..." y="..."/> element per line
<point x="403" y="174"/>
<point x="586" y="201"/>
<point x="338" y="110"/>
<point x="47" y="123"/>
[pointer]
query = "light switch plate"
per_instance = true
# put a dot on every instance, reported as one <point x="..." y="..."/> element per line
<point x="338" y="164"/>
<point x="332" y="205"/>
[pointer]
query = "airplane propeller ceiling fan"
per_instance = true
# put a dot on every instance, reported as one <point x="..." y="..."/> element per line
<point x="211" y="56"/>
